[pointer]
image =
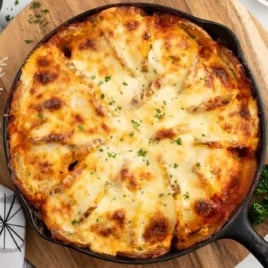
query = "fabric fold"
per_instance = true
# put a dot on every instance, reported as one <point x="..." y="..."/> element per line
<point x="12" y="230"/>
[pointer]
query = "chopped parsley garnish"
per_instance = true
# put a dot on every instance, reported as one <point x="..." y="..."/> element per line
<point x="142" y="153"/>
<point x="135" y="124"/>
<point x="112" y="102"/>
<point x="35" y="4"/>
<point x="100" y="83"/>
<point x="39" y="15"/>
<point x="111" y="154"/>
<point x="178" y="141"/>
<point x="124" y="83"/>
<point x="197" y="164"/>
<point x="175" y="165"/>
<point x="74" y="222"/>
<point x="41" y="116"/>
<point x="186" y="195"/>
<point x="81" y="127"/>
<point x="8" y="18"/>
<point x="159" y="114"/>
<point x="107" y="78"/>
<point x="45" y="11"/>
<point x="28" y="41"/>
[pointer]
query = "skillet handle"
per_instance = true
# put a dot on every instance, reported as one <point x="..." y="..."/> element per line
<point x="241" y="231"/>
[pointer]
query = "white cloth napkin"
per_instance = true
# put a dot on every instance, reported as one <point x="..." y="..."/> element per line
<point x="258" y="10"/>
<point x="250" y="261"/>
<point x="10" y="9"/>
<point x="12" y="230"/>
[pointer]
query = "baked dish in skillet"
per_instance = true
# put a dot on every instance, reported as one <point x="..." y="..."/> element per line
<point x="133" y="133"/>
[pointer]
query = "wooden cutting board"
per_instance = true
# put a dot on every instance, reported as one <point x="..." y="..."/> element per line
<point x="22" y="33"/>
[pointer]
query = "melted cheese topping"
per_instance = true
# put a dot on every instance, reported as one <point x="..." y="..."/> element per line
<point x="128" y="130"/>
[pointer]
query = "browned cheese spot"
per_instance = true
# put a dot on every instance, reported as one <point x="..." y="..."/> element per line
<point x="53" y="103"/>
<point x="43" y="61"/>
<point x="132" y="25"/>
<point x="220" y="73"/>
<point x="45" y="167"/>
<point x="244" y="112"/>
<point x="119" y="217"/>
<point x="157" y="229"/>
<point x="57" y="138"/>
<point x="88" y="44"/>
<point x="164" y="134"/>
<point x="129" y="178"/>
<point x="205" y="208"/>
<point x="104" y="231"/>
<point x="45" y="77"/>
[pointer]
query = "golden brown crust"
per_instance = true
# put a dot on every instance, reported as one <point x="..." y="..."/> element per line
<point x="133" y="133"/>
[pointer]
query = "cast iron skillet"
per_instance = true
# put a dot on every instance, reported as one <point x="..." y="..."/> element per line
<point x="238" y="227"/>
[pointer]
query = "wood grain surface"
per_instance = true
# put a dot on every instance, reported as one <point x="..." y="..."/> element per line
<point x="13" y="51"/>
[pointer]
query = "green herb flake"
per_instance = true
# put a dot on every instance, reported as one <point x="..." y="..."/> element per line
<point x="159" y="114"/>
<point x="28" y="41"/>
<point x="16" y="2"/>
<point x="204" y="78"/>
<point x="74" y="222"/>
<point x="107" y="78"/>
<point x="81" y="127"/>
<point x="45" y="11"/>
<point x="8" y="18"/>
<point x="135" y="124"/>
<point x="178" y="141"/>
<point x="186" y="195"/>
<point x="142" y="153"/>
<point x="161" y="195"/>
<point x="111" y="102"/>
<point x="35" y="5"/>
<point x="111" y="154"/>
<point x="124" y="83"/>
<point x="175" y="165"/>
<point x="100" y="83"/>
<point x="41" y="116"/>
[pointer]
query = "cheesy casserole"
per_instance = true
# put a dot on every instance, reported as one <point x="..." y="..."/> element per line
<point x="133" y="133"/>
